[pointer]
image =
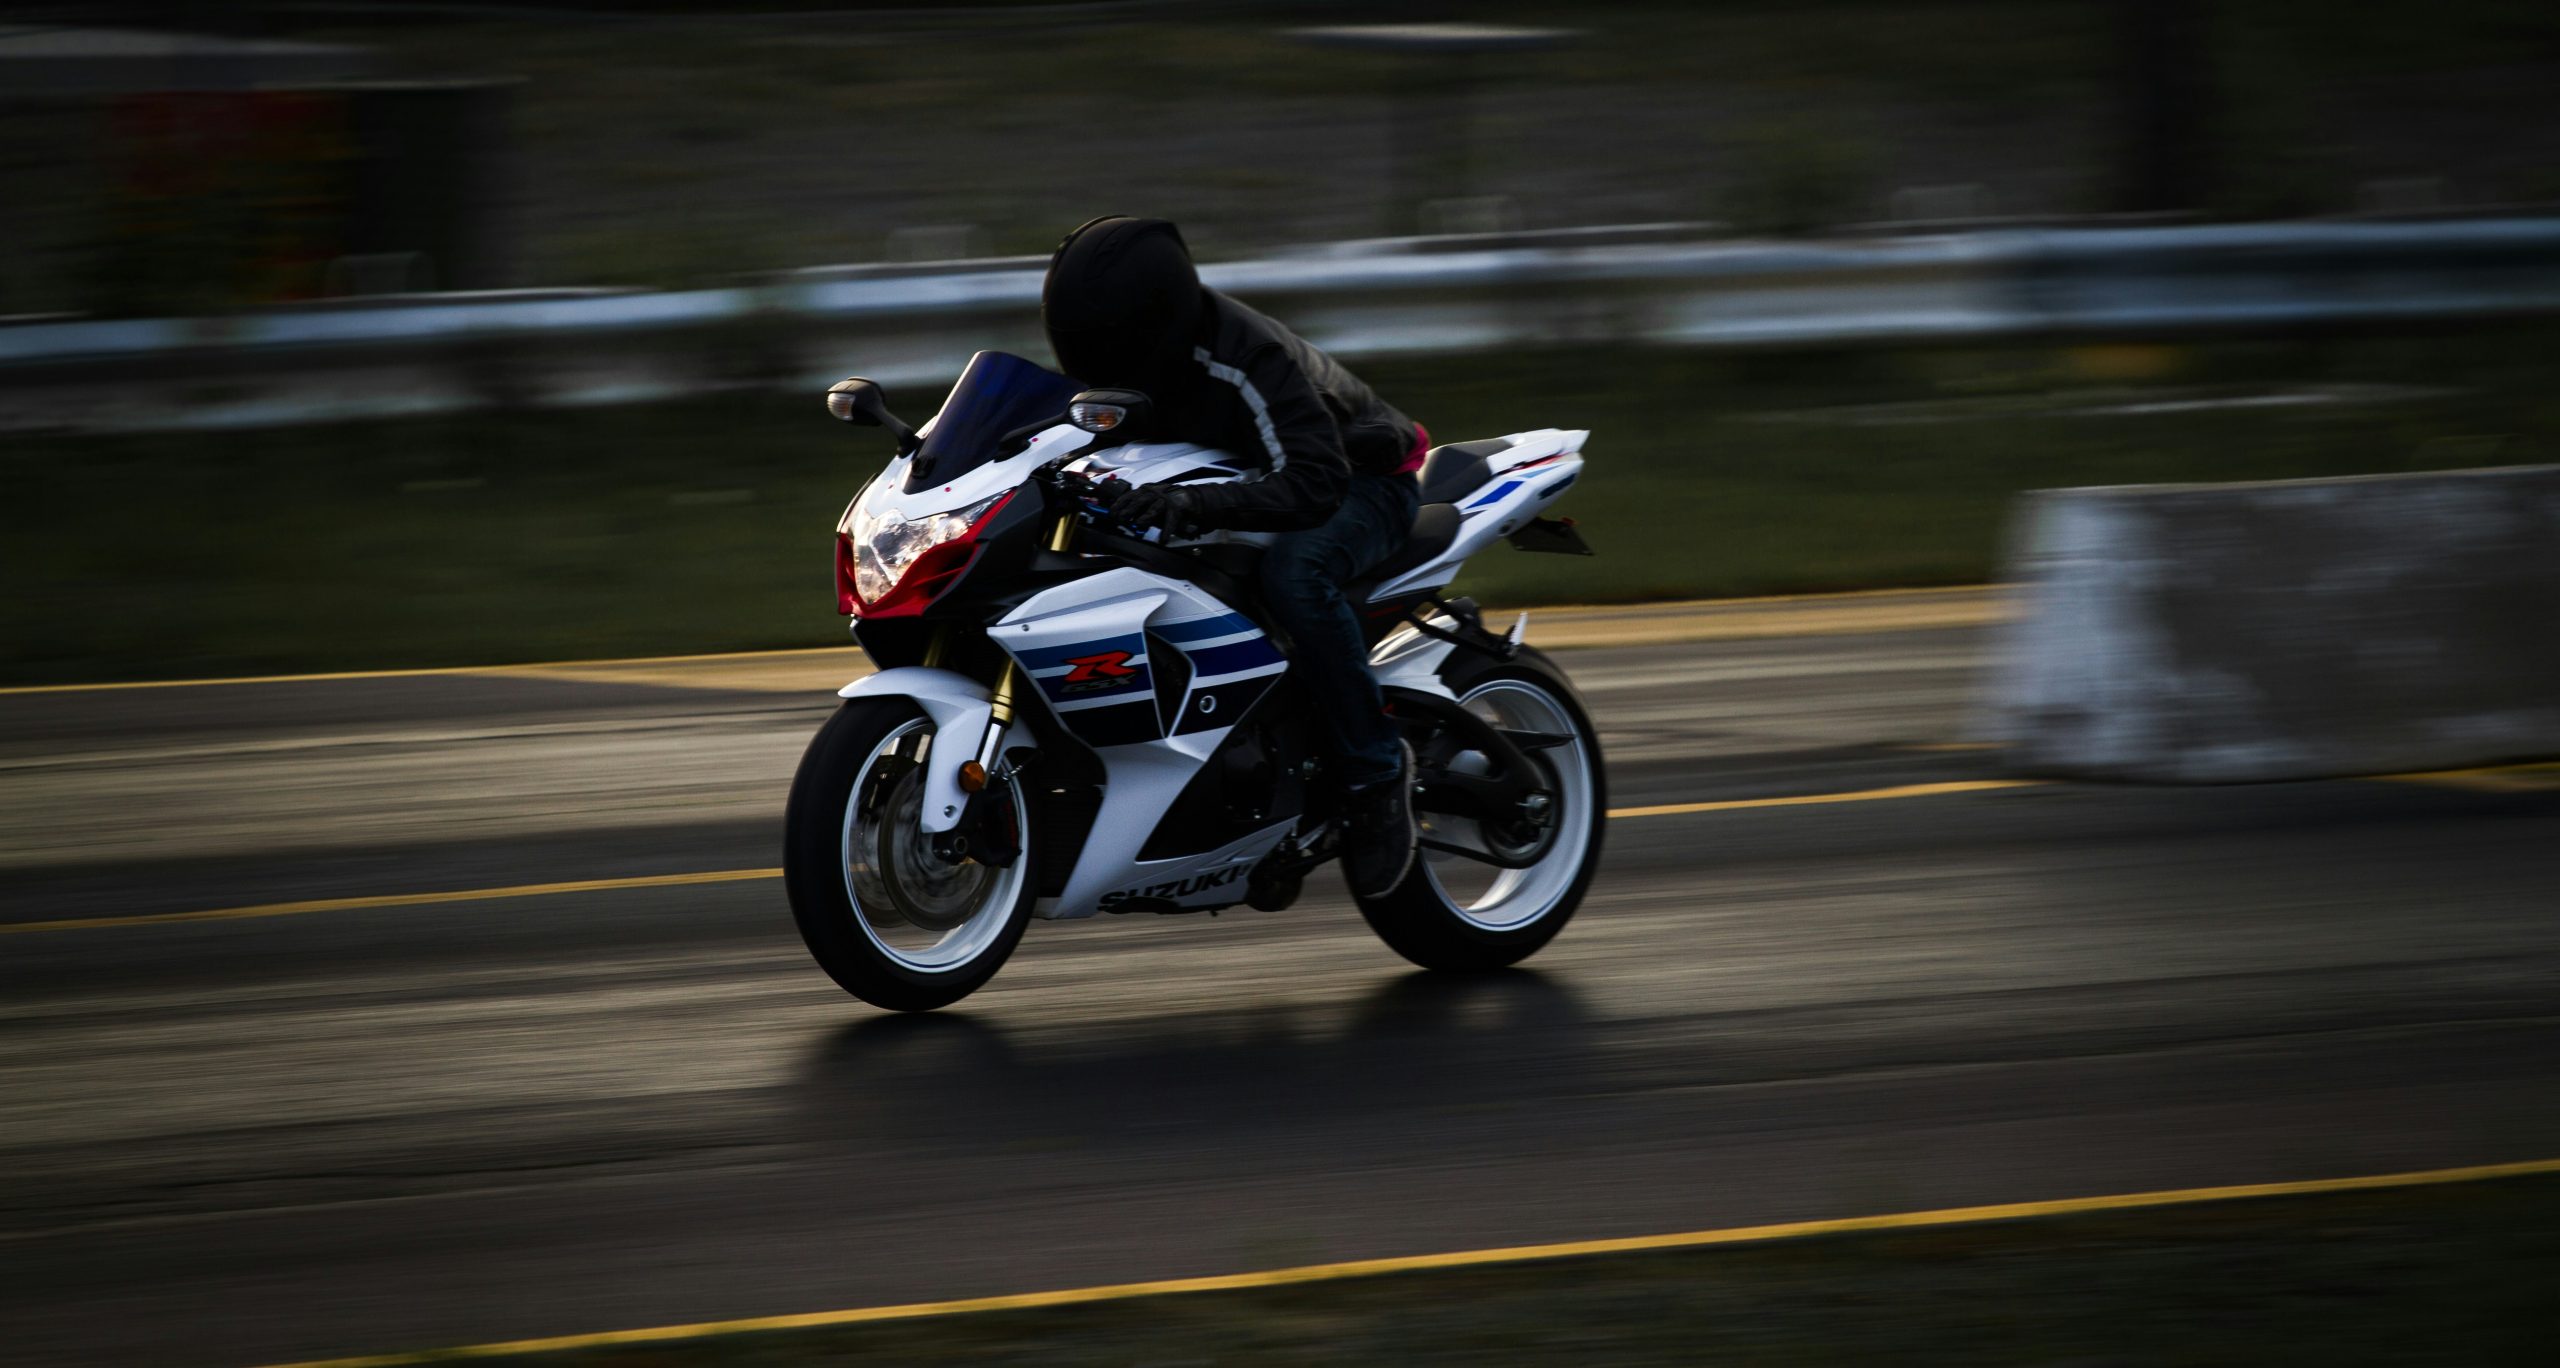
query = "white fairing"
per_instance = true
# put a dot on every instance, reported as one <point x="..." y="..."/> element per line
<point x="1408" y="659"/>
<point x="886" y="494"/>
<point x="1144" y="463"/>
<point x="1090" y="648"/>
<point x="1533" y="473"/>
<point x="1147" y="462"/>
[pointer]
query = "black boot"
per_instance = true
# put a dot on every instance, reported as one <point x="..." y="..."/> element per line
<point x="1377" y="831"/>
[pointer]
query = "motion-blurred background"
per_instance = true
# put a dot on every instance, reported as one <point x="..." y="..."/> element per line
<point x="313" y="467"/>
<point x="350" y="1015"/>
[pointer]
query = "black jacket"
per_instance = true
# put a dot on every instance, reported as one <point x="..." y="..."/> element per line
<point x="1268" y="396"/>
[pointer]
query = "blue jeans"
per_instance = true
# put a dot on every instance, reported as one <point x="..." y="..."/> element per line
<point x="1302" y="579"/>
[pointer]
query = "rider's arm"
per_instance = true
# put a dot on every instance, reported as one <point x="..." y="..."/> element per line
<point x="1309" y="471"/>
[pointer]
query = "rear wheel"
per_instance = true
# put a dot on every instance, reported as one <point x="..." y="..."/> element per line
<point x="1490" y="890"/>
<point x="886" y="916"/>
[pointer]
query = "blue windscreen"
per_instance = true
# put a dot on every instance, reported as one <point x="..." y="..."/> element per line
<point x="995" y="395"/>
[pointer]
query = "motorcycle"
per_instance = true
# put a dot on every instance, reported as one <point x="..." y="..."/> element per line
<point x="1074" y="717"/>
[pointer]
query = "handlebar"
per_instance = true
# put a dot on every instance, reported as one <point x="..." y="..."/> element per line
<point x="1091" y="508"/>
<point x="1082" y="488"/>
<point x="1055" y="475"/>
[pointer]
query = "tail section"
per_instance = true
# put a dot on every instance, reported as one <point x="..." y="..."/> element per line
<point x="1474" y="492"/>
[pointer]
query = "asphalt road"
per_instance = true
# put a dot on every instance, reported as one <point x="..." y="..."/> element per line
<point x="343" y="1132"/>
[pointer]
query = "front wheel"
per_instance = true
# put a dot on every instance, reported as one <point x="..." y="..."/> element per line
<point x="1491" y="888"/>
<point x="886" y="916"/>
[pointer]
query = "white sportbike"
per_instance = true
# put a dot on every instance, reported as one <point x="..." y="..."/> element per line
<point x="1072" y="718"/>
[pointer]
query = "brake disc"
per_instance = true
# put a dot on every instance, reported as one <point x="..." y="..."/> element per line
<point x="903" y="882"/>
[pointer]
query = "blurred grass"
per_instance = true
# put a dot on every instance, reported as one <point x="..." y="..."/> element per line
<point x="706" y="525"/>
<point x="2414" y="1276"/>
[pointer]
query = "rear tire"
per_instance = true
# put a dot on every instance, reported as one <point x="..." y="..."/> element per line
<point x="1436" y="917"/>
<point x="888" y="920"/>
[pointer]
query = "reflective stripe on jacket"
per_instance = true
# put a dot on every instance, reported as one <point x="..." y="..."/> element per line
<point x="1267" y="395"/>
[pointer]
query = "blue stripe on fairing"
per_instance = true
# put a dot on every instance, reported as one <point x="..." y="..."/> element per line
<point x="1051" y="657"/>
<point x="1241" y="655"/>
<point x="1495" y="493"/>
<point x="1201" y="629"/>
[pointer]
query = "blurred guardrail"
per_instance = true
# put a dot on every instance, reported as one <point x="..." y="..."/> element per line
<point x="910" y="324"/>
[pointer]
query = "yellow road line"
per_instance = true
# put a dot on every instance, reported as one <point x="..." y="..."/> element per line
<point x="1465" y="1258"/>
<point x="1834" y="596"/>
<point x="291" y="909"/>
<point x="2527" y="778"/>
<point x="2467" y="778"/>
<point x="1811" y="799"/>
<point x="295" y="909"/>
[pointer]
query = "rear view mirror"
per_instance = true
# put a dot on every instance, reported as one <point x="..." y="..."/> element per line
<point x="1118" y="413"/>
<point x="856" y="400"/>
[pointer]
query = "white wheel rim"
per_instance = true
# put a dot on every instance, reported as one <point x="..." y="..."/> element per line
<point x="1509" y="899"/>
<point x="923" y="913"/>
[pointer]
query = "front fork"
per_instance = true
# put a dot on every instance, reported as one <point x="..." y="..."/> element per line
<point x="982" y="833"/>
<point x="981" y="765"/>
<point x="979" y="835"/>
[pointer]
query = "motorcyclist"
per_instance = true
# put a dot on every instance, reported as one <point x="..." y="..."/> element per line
<point x="1124" y="308"/>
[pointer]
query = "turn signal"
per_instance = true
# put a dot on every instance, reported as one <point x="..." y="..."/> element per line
<point x="1097" y="417"/>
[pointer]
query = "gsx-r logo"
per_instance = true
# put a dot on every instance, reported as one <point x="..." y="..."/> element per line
<point x="1099" y="673"/>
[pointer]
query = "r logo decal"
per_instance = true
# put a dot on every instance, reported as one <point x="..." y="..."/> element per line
<point x="1109" y="670"/>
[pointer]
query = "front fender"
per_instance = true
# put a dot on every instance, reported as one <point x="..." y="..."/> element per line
<point x="959" y="707"/>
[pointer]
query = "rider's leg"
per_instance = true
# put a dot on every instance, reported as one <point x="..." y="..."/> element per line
<point x="1302" y="579"/>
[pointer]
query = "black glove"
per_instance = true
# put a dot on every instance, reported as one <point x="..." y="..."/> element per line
<point x="1165" y="506"/>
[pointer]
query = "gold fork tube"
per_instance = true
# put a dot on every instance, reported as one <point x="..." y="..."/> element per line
<point x="1000" y="702"/>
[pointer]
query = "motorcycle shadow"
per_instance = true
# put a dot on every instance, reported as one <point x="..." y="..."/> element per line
<point x="1421" y="1043"/>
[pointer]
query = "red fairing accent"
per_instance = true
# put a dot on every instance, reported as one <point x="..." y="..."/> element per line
<point x="935" y="571"/>
<point x="848" y="603"/>
<point x="925" y="580"/>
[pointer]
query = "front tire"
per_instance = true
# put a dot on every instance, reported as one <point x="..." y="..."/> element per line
<point x="1454" y="913"/>
<point x="888" y="919"/>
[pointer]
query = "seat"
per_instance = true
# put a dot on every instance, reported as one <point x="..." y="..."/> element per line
<point x="1230" y="569"/>
<point x="1449" y="472"/>
<point x="1435" y="529"/>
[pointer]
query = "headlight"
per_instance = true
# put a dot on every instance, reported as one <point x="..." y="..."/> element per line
<point x="885" y="546"/>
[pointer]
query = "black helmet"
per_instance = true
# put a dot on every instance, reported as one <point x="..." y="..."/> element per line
<point x="1122" y="302"/>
